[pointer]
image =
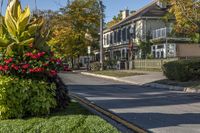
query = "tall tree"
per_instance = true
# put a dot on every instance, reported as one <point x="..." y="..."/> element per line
<point x="70" y="26"/>
<point x="115" y="20"/>
<point x="187" y="14"/>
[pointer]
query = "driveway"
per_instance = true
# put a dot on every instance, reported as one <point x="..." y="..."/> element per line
<point x="157" y="110"/>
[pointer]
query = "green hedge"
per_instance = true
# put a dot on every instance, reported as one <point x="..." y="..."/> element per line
<point x="182" y="70"/>
<point x="25" y="97"/>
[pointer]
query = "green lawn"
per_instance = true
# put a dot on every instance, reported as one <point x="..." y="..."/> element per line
<point x="117" y="73"/>
<point x="75" y="119"/>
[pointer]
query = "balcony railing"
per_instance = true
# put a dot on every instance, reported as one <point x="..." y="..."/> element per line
<point x="161" y="33"/>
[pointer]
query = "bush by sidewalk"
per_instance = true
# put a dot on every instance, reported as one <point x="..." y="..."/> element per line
<point x="182" y="70"/>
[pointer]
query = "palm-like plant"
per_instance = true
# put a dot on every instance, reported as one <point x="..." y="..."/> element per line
<point x="18" y="29"/>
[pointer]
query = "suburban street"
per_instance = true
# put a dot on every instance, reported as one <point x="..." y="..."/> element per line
<point x="157" y="110"/>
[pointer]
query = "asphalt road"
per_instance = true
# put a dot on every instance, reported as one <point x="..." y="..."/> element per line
<point x="157" y="110"/>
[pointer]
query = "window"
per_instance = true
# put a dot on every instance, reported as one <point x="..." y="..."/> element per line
<point x="160" y="46"/>
<point x="124" y="34"/>
<point x="104" y="40"/>
<point x="115" y="37"/>
<point x="111" y="38"/>
<point x="128" y="33"/>
<point x="108" y="39"/>
<point x="162" y="54"/>
<point x="119" y="36"/>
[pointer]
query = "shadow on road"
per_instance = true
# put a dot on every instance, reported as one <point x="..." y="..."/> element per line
<point x="149" y="107"/>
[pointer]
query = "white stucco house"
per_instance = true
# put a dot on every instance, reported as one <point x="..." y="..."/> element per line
<point x="121" y="41"/>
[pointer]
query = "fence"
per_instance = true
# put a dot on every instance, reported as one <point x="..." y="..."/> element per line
<point x="151" y="63"/>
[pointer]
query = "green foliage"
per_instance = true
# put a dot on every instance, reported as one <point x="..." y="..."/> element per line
<point x="110" y="64"/>
<point x="95" y="66"/>
<point x="115" y="20"/>
<point x="69" y="28"/>
<point x="74" y="119"/>
<point x="146" y="48"/>
<point x="182" y="70"/>
<point x="19" y="30"/>
<point x="25" y="97"/>
<point x="187" y="16"/>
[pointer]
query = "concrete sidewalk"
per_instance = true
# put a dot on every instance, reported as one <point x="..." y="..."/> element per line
<point x="147" y="79"/>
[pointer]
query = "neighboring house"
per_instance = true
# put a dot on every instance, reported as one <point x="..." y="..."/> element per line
<point x="123" y="37"/>
<point x="121" y="41"/>
<point x="166" y="43"/>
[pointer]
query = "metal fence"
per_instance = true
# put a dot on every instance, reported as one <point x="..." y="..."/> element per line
<point x="151" y="63"/>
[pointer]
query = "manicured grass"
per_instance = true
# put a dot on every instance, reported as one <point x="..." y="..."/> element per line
<point x="75" y="119"/>
<point x="117" y="73"/>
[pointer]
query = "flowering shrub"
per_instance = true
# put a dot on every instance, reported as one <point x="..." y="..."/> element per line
<point x="31" y="63"/>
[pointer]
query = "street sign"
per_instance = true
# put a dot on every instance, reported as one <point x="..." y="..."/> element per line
<point x="89" y="49"/>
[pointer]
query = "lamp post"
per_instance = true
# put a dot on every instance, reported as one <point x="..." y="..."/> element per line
<point x="101" y="34"/>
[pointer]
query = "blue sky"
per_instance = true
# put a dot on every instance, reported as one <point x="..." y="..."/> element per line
<point x="112" y="6"/>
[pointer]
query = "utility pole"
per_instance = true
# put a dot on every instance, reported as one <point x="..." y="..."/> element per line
<point x="101" y="34"/>
<point x="68" y="3"/>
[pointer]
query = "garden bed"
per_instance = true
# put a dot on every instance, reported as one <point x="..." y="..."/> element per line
<point x="74" y="119"/>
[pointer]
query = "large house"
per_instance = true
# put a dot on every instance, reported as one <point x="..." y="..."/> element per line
<point x="121" y="41"/>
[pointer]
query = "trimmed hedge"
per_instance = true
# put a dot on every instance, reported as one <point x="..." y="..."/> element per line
<point x="182" y="70"/>
<point x="25" y="97"/>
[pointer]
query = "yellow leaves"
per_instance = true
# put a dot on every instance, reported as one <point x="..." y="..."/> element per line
<point x="23" y="19"/>
<point x="19" y="31"/>
<point x="16" y="20"/>
<point x="187" y="16"/>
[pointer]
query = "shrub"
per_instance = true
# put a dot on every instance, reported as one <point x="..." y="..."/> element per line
<point x="110" y="64"/>
<point x="182" y="70"/>
<point x="25" y="97"/>
<point x="95" y="66"/>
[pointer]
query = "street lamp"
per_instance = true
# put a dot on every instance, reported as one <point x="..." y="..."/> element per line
<point x="101" y="33"/>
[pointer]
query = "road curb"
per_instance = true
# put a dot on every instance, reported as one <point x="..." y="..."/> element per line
<point x="133" y="127"/>
<point x="155" y="85"/>
<point x="109" y="77"/>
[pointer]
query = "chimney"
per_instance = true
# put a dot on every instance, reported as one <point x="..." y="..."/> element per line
<point x="125" y="13"/>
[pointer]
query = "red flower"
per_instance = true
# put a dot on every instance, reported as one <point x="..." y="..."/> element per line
<point x="5" y="68"/>
<point x="8" y="61"/>
<point x="53" y="72"/>
<point x="15" y="67"/>
<point x="36" y="70"/>
<point x="45" y="64"/>
<point x="28" y="54"/>
<point x="35" y="56"/>
<point x="25" y="66"/>
<point x="23" y="71"/>
<point x="59" y="61"/>
<point x="1" y="68"/>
